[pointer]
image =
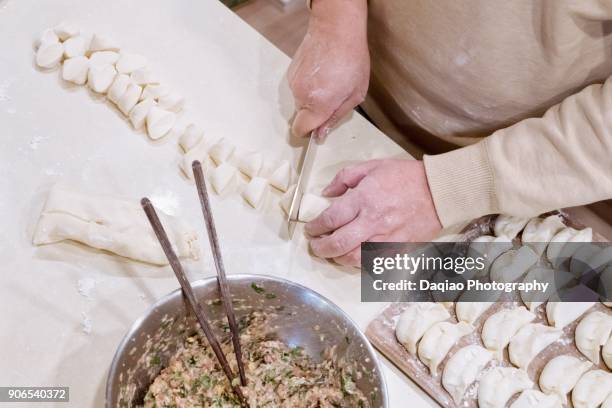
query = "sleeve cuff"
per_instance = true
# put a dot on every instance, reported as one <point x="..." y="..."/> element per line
<point x="462" y="184"/>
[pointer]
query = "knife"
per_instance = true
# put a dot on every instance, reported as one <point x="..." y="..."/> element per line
<point x="296" y="200"/>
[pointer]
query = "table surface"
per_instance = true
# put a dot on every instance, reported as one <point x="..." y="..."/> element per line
<point x="233" y="80"/>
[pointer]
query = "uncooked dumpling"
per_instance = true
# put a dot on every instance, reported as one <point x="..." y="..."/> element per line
<point x="500" y="327"/>
<point x="128" y="63"/>
<point x="593" y="332"/>
<point x="592" y="389"/>
<point x="557" y="253"/>
<point x="223" y="177"/>
<point x="513" y="264"/>
<point x="192" y="136"/>
<point x="311" y="206"/>
<point x="159" y="122"/>
<point x="255" y="191"/>
<point x="561" y="374"/>
<point x="490" y="247"/>
<point x="509" y="226"/>
<point x="49" y="55"/>
<point x="538" y="232"/>
<point x="415" y="320"/>
<point x="462" y="369"/>
<point x="281" y="177"/>
<point x="221" y="151"/>
<point x="75" y="46"/>
<point x="285" y="201"/>
<point x="100" y="42"/>
<point x="469" y="312"/>
<point x="536" y="399"/>
<point x="249" y="163"/>
<point x="438" y="340"/>
<point x="560" y="314"/>
<point x="138" y="115"/>
<point x="75" y="70"/>
<point x="100" y="77"/>
<point x="606" y="353"/>
<point x="529" y="341"/>
<point x="499" y="384"/>
<point x="541" y="274"/>
<point x="110" y="224"/>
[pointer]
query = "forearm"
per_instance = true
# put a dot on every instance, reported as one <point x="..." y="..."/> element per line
<point x="346" y="17"/>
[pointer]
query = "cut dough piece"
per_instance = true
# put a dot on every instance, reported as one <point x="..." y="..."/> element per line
<point x="509" y="226"/>
<point x="560" y="314"/>
<point x="281" y="177"/>
<point x="129" y="99"/>
<point x="118" y="88"/>
<point x="311" y="206"/>
<point x="155" y="91"/>
<point x="541" y="274"/>
<point x="285" y="201"/>
<point x="75" y="46"/>
<point x="159" y="122"/>
<point x="138" y="115"/>
<point x="463" y="368"/>
<point x="103" y="58"/>
<point x="112" y="225"/>
<point x="561" y="374"/>
<point x="101" y="42"/>
<point x="199" y="153"/>
<point x="49" y="55"/>
<point x="499" y="384"/>
<point x="221" y="151"/>
<point x="437" y="342"/>
<point x="592" y="389"/>
<point x="500" y="327"/>
<point x="144" y="76"/>
<point x="529" y="341"/>
<point x="536" y="399"/>
<point x="172" y="102"/>
<point x="222" y="177"/>
<point x="538" y="232"/>
<point x="47" y="37"/>
<point x="250" y="163"/>
<point x="129" y="63"/>
<point x="606" y="353"/>
<point x="75" y="70"/>
<point x="66" y="30"/>
<point x="192" y="136"/>
<point x="593" y="332"/>
<point x="513" y="264"/>
<point x="255" y="191"/>
<point x="469" y="312"/>
<point x="415" y="320"/>
<point x="100" y="77"/>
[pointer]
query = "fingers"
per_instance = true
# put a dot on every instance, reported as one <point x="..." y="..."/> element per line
<point x="344" y="109"/>
<point x="349" y="177"/>
<point x="339" y="213"/>
<point x="341" y="241"/>
<point x="353" y="258"/>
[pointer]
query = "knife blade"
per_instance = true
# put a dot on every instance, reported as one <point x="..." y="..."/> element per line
<point x="302" y="183"/>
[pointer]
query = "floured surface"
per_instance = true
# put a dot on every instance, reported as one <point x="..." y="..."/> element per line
<point x="381" y="332"/>
<point x="53" y="132"/>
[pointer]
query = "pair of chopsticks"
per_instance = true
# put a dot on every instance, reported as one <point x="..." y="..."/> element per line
<point x="221" y="278"/>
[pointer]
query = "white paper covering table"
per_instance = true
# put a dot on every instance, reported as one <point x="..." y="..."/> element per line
<point x="233" y="81"/>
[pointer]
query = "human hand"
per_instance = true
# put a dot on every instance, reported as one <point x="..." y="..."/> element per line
<point x="330" y="71"/>
<point x="378" y="200"/>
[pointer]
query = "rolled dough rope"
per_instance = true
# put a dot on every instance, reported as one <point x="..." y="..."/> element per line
<point x="138" y="115"/>
<point x="100" y="42"/>
<point x="159" y="122"/>
<point x="129" y="63"/>
<point x="49" y="55"/>
<point x="103" y="58"/>
<point x="255" y="192"/>
<point x="75" y="70"/>
<point x="100" y="77"/>
<point x="75" y="46"/>
<point x="192" y="136"/>
<point x="110" y="224"/>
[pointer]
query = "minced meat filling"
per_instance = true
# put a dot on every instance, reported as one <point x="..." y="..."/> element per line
<point x="277" y="375"/>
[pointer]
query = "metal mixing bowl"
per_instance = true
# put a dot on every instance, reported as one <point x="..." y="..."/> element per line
<point x="303" y="318"/>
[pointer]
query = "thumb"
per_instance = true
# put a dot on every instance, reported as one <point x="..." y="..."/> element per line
<point x="306" y="120"/>
<point x="349" y="177"/>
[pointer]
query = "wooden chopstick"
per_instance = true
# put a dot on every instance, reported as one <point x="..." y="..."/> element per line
<point x="188" y="292"/>
<point x="221" y="277"/>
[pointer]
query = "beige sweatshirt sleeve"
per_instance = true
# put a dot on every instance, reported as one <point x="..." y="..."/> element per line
<point x="561" y="160"/>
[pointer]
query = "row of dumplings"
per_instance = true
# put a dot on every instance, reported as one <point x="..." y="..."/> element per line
<point x="224" y="163"/>
<point x="98" y="62"/>
<point x="424" y="330"/>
